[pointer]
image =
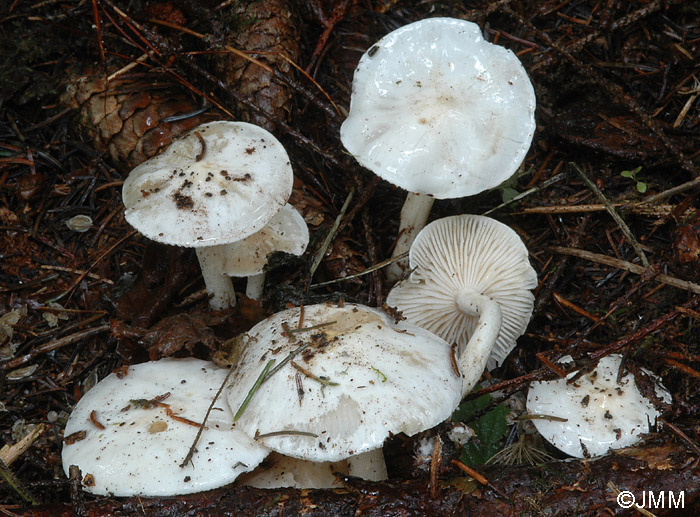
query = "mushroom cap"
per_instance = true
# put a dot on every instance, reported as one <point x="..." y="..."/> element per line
<point x="438" y="110"/>
<point x="601" y="413"/>
<point x="242" y="178"/>
<point x="286" y="231"/>
<point x="391" y="378"/>
<point x="467" y="252"/>
<point x="140" y="448"/>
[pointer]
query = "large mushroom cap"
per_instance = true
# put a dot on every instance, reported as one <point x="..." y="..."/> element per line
<point x="130" y="445"/>
<point x="218" y="184"/>
<point x="438" y="110"/>
<point x="601" y="413"/>
<point x="390" y="377"/>
<point x="461" y="254"/>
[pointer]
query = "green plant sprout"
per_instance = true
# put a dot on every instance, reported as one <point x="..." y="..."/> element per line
<point x="632" y="174"/>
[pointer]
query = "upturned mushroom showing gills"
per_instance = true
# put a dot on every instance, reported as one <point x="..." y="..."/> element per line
<point x="131" y="432"/>
<point x="440" y="112"/>
<point x="218" y="184"/>
<point x="595" y="413"/>
<point x="470" y="285"/>
<point x="341" y="380"/>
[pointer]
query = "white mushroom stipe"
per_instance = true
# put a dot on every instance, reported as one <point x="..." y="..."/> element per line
<point x="438" y="110"/>
<point x="414" y="215"/>
<point x="255" y="286"/>
<point x="470" y="285"/>
<point x="126" y="443"/>
<point x="601" y="414"/>
<point x="371" y="378"/>
<point x="218" y="184"/>
<point x="212" y="260"/>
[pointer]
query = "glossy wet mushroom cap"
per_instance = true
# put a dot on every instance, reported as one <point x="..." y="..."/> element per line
<point x="132" y="430"/>
<point x="285" y="232"/>
<point x="600" y="413"/>
<point x="436" y="109"/>
<point x="357" y="377"/>
<point x="218" y="184"/>
<point x="440" y="112"/>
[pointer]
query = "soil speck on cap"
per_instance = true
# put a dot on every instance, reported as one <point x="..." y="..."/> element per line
<point x="183" y="202"/>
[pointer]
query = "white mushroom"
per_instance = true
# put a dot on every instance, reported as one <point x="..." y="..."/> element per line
<point x="599" y="413"/>
<point x="286" y="231"/>
<point x="279" y="471"/>
<point x="220" y="183"/>
<point x="131" y="431"/>
<point x="354" y="379"/>
<point x="441" y="113"/>
<point x="471" y="286"/>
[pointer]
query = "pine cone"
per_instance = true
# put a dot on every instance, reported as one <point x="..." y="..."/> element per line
<point x="269" y="26"/>
<point x="124" y="117"/>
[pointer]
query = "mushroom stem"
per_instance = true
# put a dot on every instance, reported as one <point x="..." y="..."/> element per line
<point x="255" y="286"/>
<point x="414" y="215"/>
<point x="219" y="286"/>
<point x="369" y="465"/>
<point x="473" y="358"/>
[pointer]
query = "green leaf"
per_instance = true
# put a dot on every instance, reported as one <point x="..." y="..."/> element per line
<point x="627" y="174"/>
<point x="489" y="430"/>
<point x="641" y="187"/>
<point x="469" y="407"/>
<point x="508" y="193"/>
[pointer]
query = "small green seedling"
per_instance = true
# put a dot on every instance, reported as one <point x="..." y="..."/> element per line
<point x="632" y="174"/>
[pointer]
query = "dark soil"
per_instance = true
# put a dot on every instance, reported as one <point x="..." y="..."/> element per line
<point x="618" y="89"/>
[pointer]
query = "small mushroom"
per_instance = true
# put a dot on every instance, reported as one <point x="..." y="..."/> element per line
<point x="595" y="413"/>
<point x="134" y="428"/>
<point x="349" y="378"/>
<point x="278" y="471"/>
<point x="440" y="112"/>
<point x="286" y="231"/>
<point x="218" y="184"/>
<point x="470" y="285"/>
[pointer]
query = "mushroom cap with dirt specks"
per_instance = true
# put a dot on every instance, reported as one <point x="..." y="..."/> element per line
<point x="215" y="188"/>
<point x="437" y="110"/>
<point x="141" y="446"/>
<point x="467" y="252"/>
<point x="601" y="413"/>
<point x="391" y="378"/>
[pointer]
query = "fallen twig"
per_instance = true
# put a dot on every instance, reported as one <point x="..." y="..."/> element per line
<point x="613" y="213"/>
<point x="625" y="266"/>
<point x="52" y="345"/>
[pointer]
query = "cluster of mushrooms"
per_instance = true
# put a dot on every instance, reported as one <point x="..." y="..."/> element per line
<point x="436" y="110"/>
